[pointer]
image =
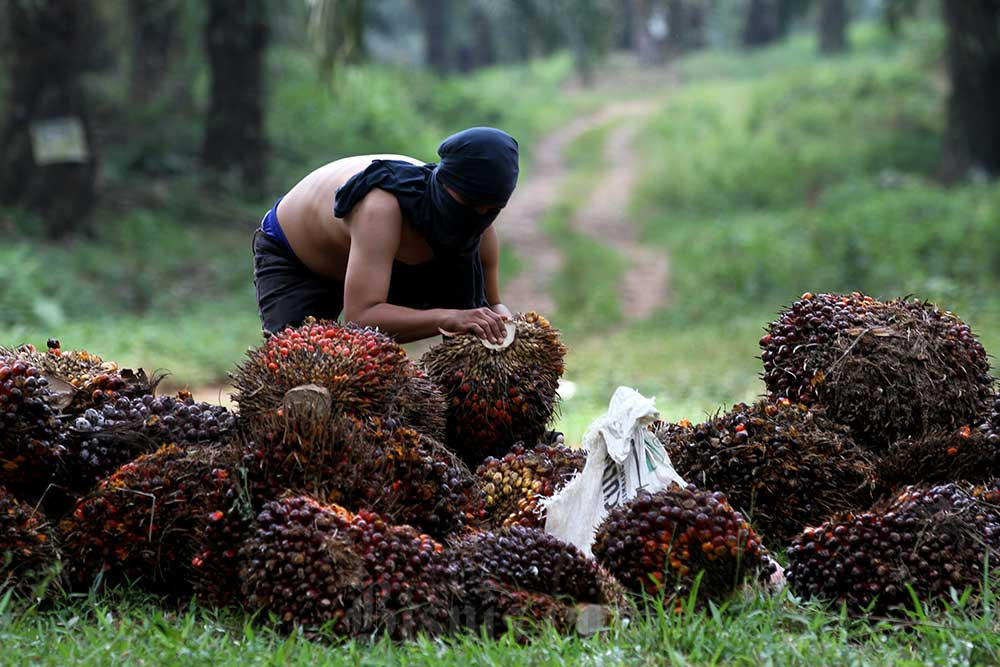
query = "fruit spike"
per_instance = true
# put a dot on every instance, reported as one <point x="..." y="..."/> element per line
<point x="928" y="539"/>
<point x="888" y="370"/>
<point x="514" y="484"/>
<point x="312" y="564"/>
<point x="966" y="454"/>
<point x="367" y="374"/>
<point x="27" y="551"/>
<point x="177" y="520"/>
<point x="659" y="544"/>
<point x="785" y="466"/>
<point x="403" y="475"/>
<point x="497" y="398"/>
<point x="102" y="439"/>
<point x="529" y="559"/>
<point x="31" y="444"/>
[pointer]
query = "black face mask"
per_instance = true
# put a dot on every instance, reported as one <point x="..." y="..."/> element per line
<point x="456" y="228"/>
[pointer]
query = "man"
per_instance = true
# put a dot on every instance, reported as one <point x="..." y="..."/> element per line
<point x="392" y="242"/>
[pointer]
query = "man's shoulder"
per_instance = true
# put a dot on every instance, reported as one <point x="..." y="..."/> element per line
<point x="378" y="202"/>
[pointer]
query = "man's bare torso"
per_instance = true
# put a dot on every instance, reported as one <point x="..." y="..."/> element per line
<point x="322" y="241"/>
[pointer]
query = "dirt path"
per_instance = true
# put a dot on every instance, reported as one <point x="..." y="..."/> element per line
<point x="603" y="216"/>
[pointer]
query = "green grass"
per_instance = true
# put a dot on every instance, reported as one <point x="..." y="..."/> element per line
<point x="752" y="631"/>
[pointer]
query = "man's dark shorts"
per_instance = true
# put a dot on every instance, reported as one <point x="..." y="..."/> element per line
<point x="287" y="291"/>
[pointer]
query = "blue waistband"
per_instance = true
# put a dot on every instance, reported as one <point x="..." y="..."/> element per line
<point x="270" y="226"/>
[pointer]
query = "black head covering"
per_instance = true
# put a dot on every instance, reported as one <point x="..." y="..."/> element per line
<point x="481" y="165"/>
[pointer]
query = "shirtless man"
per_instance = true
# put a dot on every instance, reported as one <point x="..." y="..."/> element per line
<point x="392" y="242"/>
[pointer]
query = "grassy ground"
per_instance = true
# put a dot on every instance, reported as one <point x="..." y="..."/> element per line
<point x="767" y="175"/>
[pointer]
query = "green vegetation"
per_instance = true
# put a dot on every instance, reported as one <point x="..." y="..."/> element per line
<point x="790" y="174"/>
<point x="164" y="280"/>
<point x="763" y="630"/>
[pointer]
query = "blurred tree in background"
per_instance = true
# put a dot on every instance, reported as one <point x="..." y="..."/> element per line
<point x="974" y="103"/>
<point x="47" y="162"/>
<point x="235" y="147"/>
<point x="171" y="91"/>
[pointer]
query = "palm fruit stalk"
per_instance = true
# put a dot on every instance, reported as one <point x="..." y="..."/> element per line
<point x="658" y="544"/>
<point x="314" y="565"/>
<point x="102" y="439"/>
<point x="367" y="374"/>
<point x="31" y="443"/>
<point x="28" y="555"/>
<point x="928" y="539"/>
<point x="514" y="484"/>
<point x="498" y="397"/>
<point x="783" y="465"/>
<point x="401" y="474"/>
<point x="888" y="370"/>
<point x="172" y="521"/>
<point x="81" y="380"/>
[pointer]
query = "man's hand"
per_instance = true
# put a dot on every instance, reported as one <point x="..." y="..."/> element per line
<point x="483" y="322"/>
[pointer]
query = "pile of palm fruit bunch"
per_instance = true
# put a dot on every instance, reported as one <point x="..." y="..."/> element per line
<point x="659" y="544"/>
<point x="926" y="540"/>
<point x="514" y="484"/>
<point x="28" y="553"/>
<point x="784" y="465"/>
<point x="888" y="370"/>
<point x="510" y="574"/>
<point x="171" y="521"/>
<point x="498" y="396"/>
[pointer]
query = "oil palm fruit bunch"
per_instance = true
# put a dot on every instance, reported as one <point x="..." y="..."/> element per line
<point x="491" y="607"/>
<point x="989" y="425"/>
<point x="85" y="380"/>
<point x="930" y="539"/>
<point x="532" y="560"/>
<point x="28" y="555"/>
<point x="366" y="373"/>
<point x="31" y="443"/>
<point x="314" y="565"/>
<point x="514" y="484"/>
<point x="966" y="454"/>
<point x="498" y="397"/>
<point x="103" y="438"/>
<point x="172" y="520"/>
<point x="403" y="475"/>
<point x="659" y="543"/>
<point x="784" y="465"/>
<point x="889" y="370"/>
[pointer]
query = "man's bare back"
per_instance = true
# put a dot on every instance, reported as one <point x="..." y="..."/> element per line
<point x="323" y="241"/>
<point x="404" y="246"/>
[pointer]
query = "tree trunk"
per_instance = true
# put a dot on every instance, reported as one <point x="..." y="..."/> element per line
<point x="676" y="27"/>
<point x="762" y="25"/>
<point x="626" y="38"/>
<point x="153" y="23"/>
<point x="832" y="26"/>
<point x="235" y="146"/>
<point x="47" y="161"/>
<point x="650" y="19"/>
<point x="436" y="18"/>
<point x="973" y="47"/>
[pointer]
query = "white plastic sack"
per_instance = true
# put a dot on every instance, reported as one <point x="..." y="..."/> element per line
<point x="623" y="456"/>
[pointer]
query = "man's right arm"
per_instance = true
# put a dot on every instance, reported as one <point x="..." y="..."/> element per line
<point x="376" y="228"/>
